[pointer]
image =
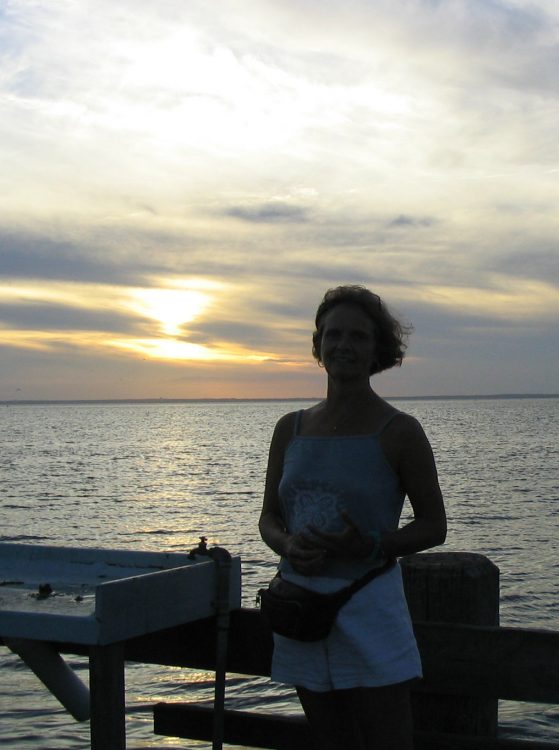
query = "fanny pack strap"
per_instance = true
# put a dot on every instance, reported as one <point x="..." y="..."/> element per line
<point x="346" y="593"/>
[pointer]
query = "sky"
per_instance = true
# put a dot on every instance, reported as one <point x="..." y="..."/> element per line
<point x="181" y="181"/>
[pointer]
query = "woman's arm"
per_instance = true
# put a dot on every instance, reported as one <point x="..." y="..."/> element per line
<point x="305" y="557"/>
<point x="272" y="528"/>
<point x="408" y="450"/>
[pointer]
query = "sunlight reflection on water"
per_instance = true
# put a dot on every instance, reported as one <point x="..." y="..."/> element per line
<point x="159" y="476"/>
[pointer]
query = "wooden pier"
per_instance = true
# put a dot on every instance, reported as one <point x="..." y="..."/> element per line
<point x="468" y="665"/>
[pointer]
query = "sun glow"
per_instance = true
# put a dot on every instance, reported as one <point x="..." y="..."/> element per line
<point x="173" y="349"/>
<point x="171" y="303"/>
<point x="170" y="307"/>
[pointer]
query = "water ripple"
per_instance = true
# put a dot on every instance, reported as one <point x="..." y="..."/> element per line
<point x="144" y="476"/>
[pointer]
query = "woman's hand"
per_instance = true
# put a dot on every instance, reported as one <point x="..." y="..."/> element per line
<point x="305" y="555"/>
<point x="349" y="542"/>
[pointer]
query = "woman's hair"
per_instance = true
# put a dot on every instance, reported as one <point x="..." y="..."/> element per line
<point x="390" y="334"/>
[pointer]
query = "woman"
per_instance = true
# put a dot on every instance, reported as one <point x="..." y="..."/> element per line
<point x="337" y="476"/>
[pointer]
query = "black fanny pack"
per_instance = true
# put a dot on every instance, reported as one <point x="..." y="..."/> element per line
<point x="299" y="613"/>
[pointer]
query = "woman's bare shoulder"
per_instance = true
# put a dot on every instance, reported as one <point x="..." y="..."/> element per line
<point x="310" y="418"/>
<point x="405" y="423"/>
<point x="285" y="427"/>
<point x="404" y="430"/>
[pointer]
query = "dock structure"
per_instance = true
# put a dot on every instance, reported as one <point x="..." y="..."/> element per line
<point x="97" y="600"/>
<point x="469" y="663"/>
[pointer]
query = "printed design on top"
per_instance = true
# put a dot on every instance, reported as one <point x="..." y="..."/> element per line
<point x="312" y="502"/>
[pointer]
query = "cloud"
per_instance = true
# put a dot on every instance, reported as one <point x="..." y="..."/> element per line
<point x="52" y="317"/>
<point x="410" y="221"/>
<point x="538" y="262"/>
<point x="256" y="337"/>
<point x="127" y="253"/>
<point x="274" y="150"/>
<point x="270" y="213"/>
<point x="25" y="255"/>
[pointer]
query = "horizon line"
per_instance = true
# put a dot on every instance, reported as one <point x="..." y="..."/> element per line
<point x="233" y="399"/>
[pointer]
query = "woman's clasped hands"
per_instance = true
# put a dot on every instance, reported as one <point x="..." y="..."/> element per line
<point x="307" y="551"/>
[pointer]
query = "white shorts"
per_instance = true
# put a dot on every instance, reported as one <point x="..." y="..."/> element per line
<point x="371" y="643"/>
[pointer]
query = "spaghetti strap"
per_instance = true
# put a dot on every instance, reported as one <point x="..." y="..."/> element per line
<point x="387" y="421"/>
<point x="297" y="423"/>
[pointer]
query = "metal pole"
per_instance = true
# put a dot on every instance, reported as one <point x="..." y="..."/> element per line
<point x="222" y="560"/>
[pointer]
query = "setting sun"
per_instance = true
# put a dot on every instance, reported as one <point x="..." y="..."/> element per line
<point x="171" y="307"/>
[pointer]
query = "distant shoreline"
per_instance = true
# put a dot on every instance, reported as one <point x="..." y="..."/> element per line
<point x="108" y="401"/>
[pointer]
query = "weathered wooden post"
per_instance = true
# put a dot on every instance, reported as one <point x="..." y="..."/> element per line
<point x="454" y="587"/>
<point x="106" y="680"/>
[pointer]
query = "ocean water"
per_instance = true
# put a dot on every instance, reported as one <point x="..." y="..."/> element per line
<point x="158" y="476"/>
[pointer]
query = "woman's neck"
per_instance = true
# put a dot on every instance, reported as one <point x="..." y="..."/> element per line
<point x="349" y="394"/>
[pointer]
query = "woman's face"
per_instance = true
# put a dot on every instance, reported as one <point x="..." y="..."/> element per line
<point x="347" y="347"/>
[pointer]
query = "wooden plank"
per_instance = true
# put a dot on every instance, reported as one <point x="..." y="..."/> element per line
<point x="291" y="732"/>
<point x="106" y="683"/>
<point x="507" y="663"/>
<point x="429" y="741"/>
<point x="128" y="607"/>
<point x="193" y="645"/>
<point x="275" y="732"/>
